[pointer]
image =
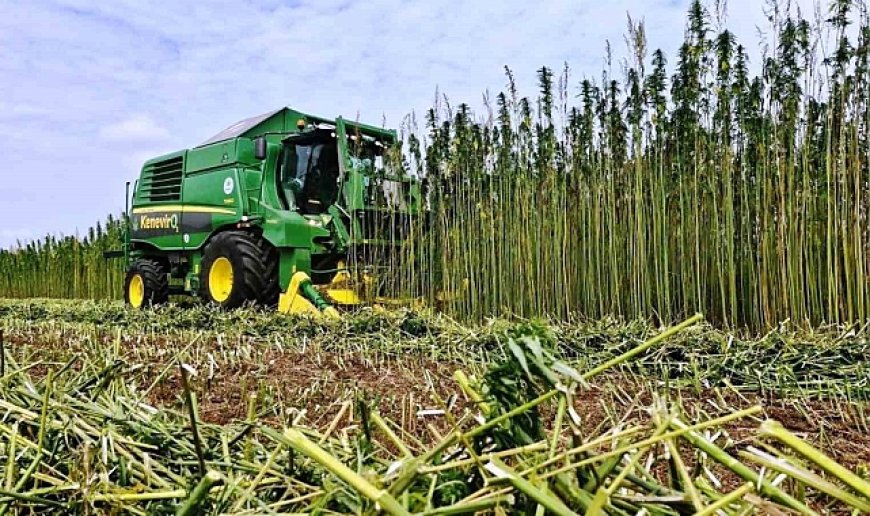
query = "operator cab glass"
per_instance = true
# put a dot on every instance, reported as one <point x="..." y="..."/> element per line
<point x="308" y="172"/>
<point x="382" y="187"/>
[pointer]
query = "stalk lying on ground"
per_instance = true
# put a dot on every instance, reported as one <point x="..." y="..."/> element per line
<point x="82" y="448"/>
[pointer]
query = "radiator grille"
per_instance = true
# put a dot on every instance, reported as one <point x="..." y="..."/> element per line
<point x="161" y="181"/>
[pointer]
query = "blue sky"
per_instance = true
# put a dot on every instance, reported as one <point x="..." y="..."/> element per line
<point x="88" y="90"/>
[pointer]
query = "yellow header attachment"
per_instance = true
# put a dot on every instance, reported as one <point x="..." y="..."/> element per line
<point x="302" y="298"/>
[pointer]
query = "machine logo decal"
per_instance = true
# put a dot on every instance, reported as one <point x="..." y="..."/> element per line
<point x="154" y="221"/>
<point x="160" y="222"/>
<point x="229" y="185"/>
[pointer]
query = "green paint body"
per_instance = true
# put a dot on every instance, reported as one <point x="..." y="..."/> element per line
<point x="185" y="198"/>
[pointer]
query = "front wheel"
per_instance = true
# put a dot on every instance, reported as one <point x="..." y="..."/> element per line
<point x="146" y="284"/>
<point x="233" y="270"/>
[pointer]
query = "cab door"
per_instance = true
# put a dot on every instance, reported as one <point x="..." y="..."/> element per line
<point x="350" y="184"/>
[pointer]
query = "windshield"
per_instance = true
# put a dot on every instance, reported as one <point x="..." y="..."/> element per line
<point x="308" y="173"/>
<point x="386" y="193"/>
<point x="372" y="158"/>
<point x="371" y="154"/>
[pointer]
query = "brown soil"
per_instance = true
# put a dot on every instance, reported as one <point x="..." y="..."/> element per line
<point x="318" y="383"/>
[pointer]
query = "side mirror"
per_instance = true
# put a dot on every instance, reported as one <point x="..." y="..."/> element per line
<point x="260" y="148"/>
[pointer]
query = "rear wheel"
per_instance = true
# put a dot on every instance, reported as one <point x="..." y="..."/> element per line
<point x="234" y="270"/>
<point x="146" y="284"/>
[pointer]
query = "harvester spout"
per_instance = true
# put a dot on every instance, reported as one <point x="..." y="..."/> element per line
<point x="302" y="297"/>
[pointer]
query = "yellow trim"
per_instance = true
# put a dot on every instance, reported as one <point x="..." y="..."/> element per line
<point x="136" y="291"/>
<point x="342" y="277"/>
<point x="293" y="302"/>
<point x="183" y="209"/>
<point x="343" y="296"/>
<point x="220" y="279"/>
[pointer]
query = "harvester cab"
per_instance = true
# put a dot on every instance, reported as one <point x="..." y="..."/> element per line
<point x="284" y="209"/>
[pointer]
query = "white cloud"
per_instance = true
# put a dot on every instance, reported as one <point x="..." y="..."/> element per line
<point x="137" y="128"/>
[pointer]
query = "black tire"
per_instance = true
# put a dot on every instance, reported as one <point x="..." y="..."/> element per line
<point x="155" y="283"/>
<point x="247" y="257"/>
<point x="271" y="261"/>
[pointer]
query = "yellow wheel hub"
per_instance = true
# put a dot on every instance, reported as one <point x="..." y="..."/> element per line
<point x="136" y="292"/>
<point x="220" y="279"/>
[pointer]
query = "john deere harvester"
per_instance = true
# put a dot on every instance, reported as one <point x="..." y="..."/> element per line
<point x="271" y="211"/>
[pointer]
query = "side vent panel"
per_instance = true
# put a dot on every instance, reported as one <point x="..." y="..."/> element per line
<point x="161" y="181"/>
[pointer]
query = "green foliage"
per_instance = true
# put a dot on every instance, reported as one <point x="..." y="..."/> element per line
<point x="531" y="368"/>
<point x="743" y="197"/>
<point x="65" y="267"/>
